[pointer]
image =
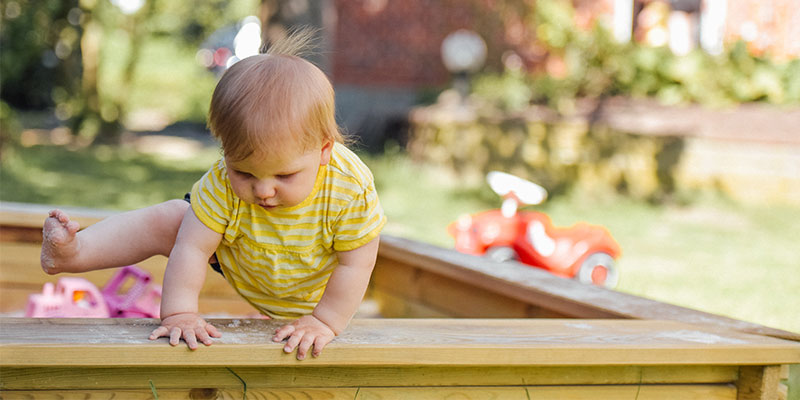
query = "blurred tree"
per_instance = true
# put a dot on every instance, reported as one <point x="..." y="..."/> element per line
<point x="80" y="57"/>
<point x="99" y="112"/>
<point x="39" y="42"/>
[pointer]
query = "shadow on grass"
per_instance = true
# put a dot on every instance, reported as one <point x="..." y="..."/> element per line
<point x="99" y="177"/>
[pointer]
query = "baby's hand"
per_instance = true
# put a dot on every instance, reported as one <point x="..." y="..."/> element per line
<point x="189" y="326"/>
<point x="302" y="334"/>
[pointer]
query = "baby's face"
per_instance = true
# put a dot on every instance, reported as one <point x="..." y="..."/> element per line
<point x="282" y="181"/>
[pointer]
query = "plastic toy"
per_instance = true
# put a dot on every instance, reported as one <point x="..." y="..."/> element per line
<point x="70" y="297"/>
<point x="141" y="300"/>
<point x="584" y="252"/>
<point x="79" y="298"/>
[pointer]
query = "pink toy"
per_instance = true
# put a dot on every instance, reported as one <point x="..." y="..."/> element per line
<point x="71" y="297"/>
<point x="141" y="300"/>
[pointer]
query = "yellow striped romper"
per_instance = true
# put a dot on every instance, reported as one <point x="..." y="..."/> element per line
<point x="280" y="260"/>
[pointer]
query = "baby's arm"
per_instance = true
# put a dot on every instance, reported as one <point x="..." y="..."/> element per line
<point x="343" y="294"/>
<point x="183" y="279"/>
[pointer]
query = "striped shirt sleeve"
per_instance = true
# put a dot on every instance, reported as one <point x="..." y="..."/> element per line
<point x="360" y="221"/>
<point x="212" y="199"/>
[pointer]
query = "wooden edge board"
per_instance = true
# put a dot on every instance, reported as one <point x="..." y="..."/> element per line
<point x="607" y="392"/>
<point x="562" y="295"/>
<point x="33" y="215"/>
<point x="516" y="281"/>
<point x="19" y="378"/>
<point x="369" y="342"/>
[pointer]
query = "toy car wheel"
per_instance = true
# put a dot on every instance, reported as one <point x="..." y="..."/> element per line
<point x="501" y="253"/>
<point x="598" y="269"/>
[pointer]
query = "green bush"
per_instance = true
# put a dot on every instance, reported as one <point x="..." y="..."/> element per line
<point x="597" y="66"/>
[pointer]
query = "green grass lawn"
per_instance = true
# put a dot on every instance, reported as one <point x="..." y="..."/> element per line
<point x="712" y="255"/>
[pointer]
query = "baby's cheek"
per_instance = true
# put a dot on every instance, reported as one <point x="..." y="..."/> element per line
<point x="240" y="190"/>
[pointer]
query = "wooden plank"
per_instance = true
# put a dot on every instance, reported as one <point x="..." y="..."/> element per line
<point x="784" y="372"/>
<point x="33" y="215"/>
<point x="195" y="393"/>
<point x="783" y="391"/>
<point x="19" y="234"/>
<point x="547" y="294"/>
<point x="107" y="378"/>
<point x="21" y="276"/>
<point x="671" y="392"/>
<point x="393" y="306"/>
<point x="539" y="288"/>
<point x="430" y="291"/>
<point x="643" y="392"/>
<point x="466" y="393"/>
<point x="758" y="382"/>
<point x="91" y="342"/>
<point x="448" y="295"/>
<point x="13" y="301"/>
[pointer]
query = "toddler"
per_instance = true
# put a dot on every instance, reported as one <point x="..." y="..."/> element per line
<point x="289" y="216"/>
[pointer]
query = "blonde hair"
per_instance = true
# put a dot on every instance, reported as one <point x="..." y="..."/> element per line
<point x="269" y="102"/>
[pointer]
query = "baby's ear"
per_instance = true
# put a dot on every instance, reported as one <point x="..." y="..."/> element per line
<point x="327" y="148"/>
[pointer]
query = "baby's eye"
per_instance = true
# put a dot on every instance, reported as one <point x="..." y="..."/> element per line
<point x="244" y="174"/>
<point x="285" y="176"/>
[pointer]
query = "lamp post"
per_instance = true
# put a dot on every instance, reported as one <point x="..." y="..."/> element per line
<point x="463" y="53"/>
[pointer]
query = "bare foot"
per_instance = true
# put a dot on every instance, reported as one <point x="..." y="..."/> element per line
<point x="59" y="242"/>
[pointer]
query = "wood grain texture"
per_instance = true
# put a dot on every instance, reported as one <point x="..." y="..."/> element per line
<point x="644" y="392"/>
<point x="19" y="264"/>
<point x="676" y="392"/>
<point x="107" y="378"/>
<point x="477" y="342"/>
<point x="33" y="215"/>
<point x="408" y="292"/>
<point x="394" y="306"/>
<point x="21" y="276"/>
<point x="200" y="393"/>
<point x="758" y="382"/>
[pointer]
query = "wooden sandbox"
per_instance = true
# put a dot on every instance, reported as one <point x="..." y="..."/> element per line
<point x="454" y="326"/>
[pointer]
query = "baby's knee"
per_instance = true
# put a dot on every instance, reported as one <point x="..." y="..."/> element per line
<point x="173" y="210"/>
<point x="167" y="215"/>
<point x="164" y="220"/>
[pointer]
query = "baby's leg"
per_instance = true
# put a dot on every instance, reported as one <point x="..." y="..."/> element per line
<point x="116" y="241"/>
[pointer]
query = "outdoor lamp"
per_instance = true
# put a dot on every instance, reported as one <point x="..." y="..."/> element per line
<point x="463" y="53"/>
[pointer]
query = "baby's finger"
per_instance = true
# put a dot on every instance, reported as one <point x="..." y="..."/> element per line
<point x="319" y="343"/>
<point x="293" y="341"/>
<point x="283" y="332"/>
<point x="159" y="332"/>
<point x="203" y="337"/>
<point x="212" y="330"/>
<point x="174" y="336"/>
<point x="305" y="344"/>
<point x="190" y="338"/>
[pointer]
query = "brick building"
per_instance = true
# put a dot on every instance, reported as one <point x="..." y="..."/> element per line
<point x="381" y="53"/>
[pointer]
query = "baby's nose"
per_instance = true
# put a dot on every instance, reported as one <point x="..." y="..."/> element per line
<point x="264" y="190"/>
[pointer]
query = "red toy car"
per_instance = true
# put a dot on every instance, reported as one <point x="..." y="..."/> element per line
<point x="584" y="252"/>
